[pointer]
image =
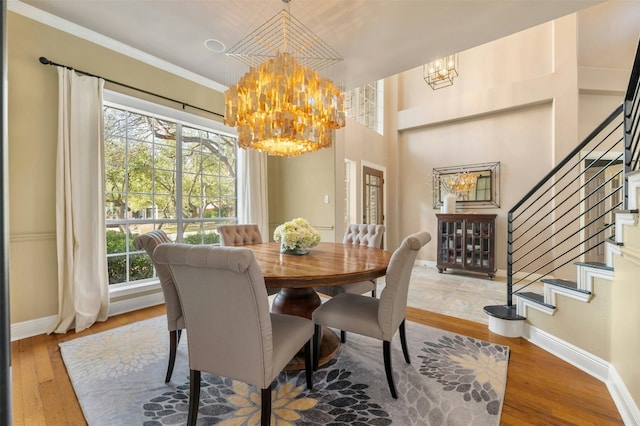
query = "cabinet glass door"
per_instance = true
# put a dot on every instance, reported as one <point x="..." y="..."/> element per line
<point x="451" y="243"/>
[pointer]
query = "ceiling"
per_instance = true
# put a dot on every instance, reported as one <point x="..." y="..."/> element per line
<point x="377" y="38"/>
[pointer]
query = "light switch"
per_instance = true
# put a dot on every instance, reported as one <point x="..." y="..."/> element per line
<point x="326" y="199"/>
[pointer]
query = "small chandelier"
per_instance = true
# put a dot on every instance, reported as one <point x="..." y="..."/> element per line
<point x="462" y="182"/>
<point x="282" y="106"/>
<point x="440" y="72"/>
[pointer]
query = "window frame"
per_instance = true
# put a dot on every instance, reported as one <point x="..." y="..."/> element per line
<point x="365" y="105"/>
<point x="181" y="118"/>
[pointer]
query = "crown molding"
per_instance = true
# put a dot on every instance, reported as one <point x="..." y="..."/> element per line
<point x="76" y="30"/>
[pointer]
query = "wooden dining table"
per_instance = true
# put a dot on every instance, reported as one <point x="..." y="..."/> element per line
<point x="327" y="264"/>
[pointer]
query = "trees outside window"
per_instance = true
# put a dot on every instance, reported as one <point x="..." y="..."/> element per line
<point x="163" y="173"/>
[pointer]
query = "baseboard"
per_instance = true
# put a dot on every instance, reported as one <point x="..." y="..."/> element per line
<point x="22" y="330"/>
<point x="25" y="329"/>
<point x="574" y="355"/>
<point x="433" y="264"/>
<point x="592" y="365"/>
<point x="622" y="398"/>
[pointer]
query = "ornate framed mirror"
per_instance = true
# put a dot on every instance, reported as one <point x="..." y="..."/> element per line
<point x="475" y="185"/>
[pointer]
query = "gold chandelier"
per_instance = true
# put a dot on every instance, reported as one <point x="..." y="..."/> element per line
<point x="462" y="182"/>
<point x="282" y="106"/>
<point x="440" y="72"/>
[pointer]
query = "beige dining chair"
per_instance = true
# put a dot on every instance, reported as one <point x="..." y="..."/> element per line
<point x="376" y="318"/>
<point x="358" y="234"/>
<point x="175" y="320"/>
<point x="231" y="332"/>
<point x="239" y="235"/>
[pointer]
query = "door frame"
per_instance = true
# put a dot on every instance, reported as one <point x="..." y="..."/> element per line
<point x="381" y="169"/>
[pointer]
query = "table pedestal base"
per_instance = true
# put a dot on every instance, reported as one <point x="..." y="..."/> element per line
<point x="329" y="348"/>
<point x="302" y="302"/>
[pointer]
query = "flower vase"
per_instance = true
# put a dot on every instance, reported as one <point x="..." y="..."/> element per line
<point x="449" y="203"/>
<point x="296" y="251"/>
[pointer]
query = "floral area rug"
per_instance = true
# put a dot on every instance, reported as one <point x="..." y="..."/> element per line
<point x="118" y="376"/>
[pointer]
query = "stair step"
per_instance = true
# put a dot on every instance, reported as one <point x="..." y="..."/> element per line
<point x="598" y="265"/>
<point x="503" y="312"/>
<point x="534" y="297"/>
<point x="565" y="284"/>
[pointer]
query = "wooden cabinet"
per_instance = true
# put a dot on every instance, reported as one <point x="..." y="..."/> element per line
<point x="467" y="241"/>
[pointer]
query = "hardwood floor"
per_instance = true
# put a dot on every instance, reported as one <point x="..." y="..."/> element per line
<point x="541" y="389"/>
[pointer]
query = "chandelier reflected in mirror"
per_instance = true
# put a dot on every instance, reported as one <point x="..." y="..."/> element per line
<point x="282" y="105"/>
<point x="440" y="72"/>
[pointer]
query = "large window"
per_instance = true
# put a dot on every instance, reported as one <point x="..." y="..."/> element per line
<point x="161" y="172"/>
<point x="365" y="104"/>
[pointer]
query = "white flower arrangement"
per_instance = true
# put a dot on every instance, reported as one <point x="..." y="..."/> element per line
<point x="296" y="234"/>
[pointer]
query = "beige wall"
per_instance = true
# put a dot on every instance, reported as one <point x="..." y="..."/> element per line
<point x="513" y="138"/>
<point x="297" y="188"/>
<point x="625" y="315"/>
<point x="32" y="127"/>
<point x="504" y="107"/>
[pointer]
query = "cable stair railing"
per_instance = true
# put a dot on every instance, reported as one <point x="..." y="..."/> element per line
<point x="569" y="216"/>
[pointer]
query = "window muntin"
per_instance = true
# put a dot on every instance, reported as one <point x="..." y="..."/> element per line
<point x="163" y="173"/>
<point x="365" y="105"/>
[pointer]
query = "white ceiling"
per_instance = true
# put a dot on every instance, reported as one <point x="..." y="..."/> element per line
<point x="377" y="38"/>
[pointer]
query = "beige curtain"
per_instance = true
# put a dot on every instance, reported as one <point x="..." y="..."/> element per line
<point x="253" y="205"/>
<point x="83" y="291"/>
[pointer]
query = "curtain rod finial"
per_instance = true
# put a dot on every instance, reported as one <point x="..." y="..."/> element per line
<point x="44" y="61"/>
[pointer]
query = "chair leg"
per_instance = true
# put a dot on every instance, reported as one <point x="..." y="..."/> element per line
<point x="174" y="338"/>
<point x="317" y="331"/>
<point x="194" y="397"/>
<point x="343" y="336"/>
<point x="265" y="416"/>
<point x="308" y="366"/>
<point x="386" y="349"/>
<point x="403" y="341"/>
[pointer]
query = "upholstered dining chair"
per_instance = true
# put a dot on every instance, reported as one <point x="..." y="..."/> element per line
<point x="175" y="320"/>
<point x="376" y="318"/>
<point x="239" y="235"/>
<point x="359" y="234"/>
<point x="231" y="332"/>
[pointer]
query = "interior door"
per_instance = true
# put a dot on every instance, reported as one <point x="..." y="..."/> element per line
<point x="373" y="199"/>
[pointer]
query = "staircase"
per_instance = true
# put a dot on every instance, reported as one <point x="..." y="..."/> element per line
<point x="564" y="233"/>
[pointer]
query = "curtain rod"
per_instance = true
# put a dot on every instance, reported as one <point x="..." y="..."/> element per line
<point x="45" y="61"/>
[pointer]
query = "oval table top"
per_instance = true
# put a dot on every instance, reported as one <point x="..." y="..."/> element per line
<point x="327" y="264"/>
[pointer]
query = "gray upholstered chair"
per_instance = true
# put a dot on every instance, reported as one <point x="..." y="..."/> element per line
<point x="231" y="332"/>
<point x="358" y="234"/>
<point x="239" y="235"/>
<point x="175" y="320"/>
<point x="376" y="318"/>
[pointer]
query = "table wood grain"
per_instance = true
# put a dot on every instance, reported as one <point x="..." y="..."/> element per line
<point x="327" y="264"/>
